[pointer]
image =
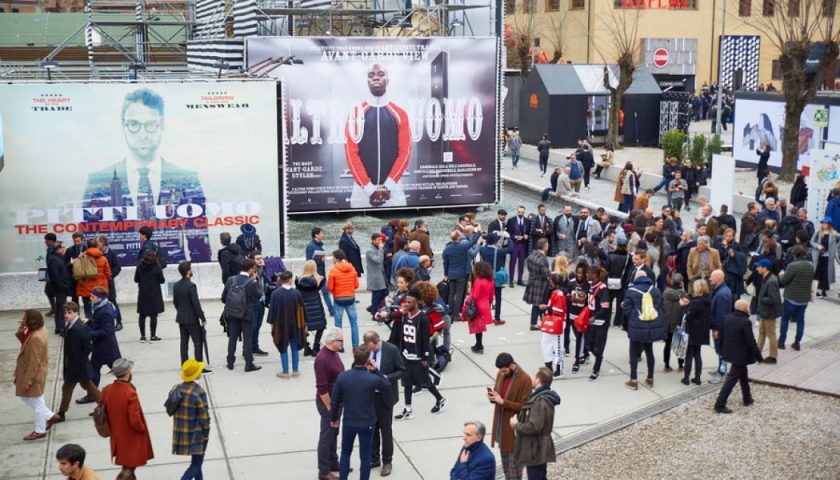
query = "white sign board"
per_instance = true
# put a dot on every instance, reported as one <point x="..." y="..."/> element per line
<point x="824" y="173"/>
<point x="723" y="181"/>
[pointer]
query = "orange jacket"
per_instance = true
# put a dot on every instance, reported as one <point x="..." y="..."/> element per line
<point x="130" y="441"/>
<point x="343" y="280"/>
<point x="84" y="286"/>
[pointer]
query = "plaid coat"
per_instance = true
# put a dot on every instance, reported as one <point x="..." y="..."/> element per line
<point x="191" y="422"/>
<point x="536" y="290"/>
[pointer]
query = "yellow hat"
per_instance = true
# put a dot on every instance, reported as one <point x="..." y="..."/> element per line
<point x="191" y="369"/>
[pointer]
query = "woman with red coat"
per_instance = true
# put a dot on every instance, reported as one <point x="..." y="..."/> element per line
<point x="482" y="292"/>
<point x="131" y="446"/>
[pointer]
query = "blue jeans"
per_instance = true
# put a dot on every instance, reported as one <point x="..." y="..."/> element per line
<point x="194" y="470"/>
<point x="284" y="356"/>
<point x="535" y="314"/>
<point x="259" y="312"/>
<point x="514" y="158"/>
<point x="354" y="320"/>
<point x="348" y="436"/>
<point x="627" y="204"/>
<point x="327" y="298"/>
<point x="662" y="183"/>
<point x="721" y="363"/>
<point x="798" y="314"/>
<point x="377" y="298"/>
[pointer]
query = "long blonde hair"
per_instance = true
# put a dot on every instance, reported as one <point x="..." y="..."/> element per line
<point x="310" y="268"/>
<point x="561" y="266"/>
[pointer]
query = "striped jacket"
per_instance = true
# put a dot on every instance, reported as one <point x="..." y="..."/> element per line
<point x="191" y="426"/>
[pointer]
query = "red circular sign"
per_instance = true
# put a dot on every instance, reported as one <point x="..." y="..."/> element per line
<point x="660" y="58"/>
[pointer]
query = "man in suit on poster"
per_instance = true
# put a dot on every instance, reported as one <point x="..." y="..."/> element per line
<point x="143" y="181"/>
<point x="378" y="146"/>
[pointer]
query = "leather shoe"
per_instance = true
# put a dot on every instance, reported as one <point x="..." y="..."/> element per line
<point x="84" y="400"/>
<point x="769" y="360"/>
<point x="386" y="470"/>
<point x="498" y="322"/>
<point x="260" y="353"/>
<point x="795" y="346"/>
<point x="253" y="368"/>
<point x="230" y="365"/>
<point x="328" y="476"/>
<point x="375" y="463"/>
<point x="723" y="410"/>
<point x="749" y="402"/>
<point x="34" y="436"/>
<point x="58" y="417"/>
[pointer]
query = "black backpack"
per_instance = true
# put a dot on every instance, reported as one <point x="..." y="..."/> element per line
<point x="237" y="304"/>
<point x="443" y="290"/>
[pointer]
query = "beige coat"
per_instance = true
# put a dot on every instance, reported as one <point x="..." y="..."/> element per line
<point x="32" y="365"/>
<point x="693" y="266"/>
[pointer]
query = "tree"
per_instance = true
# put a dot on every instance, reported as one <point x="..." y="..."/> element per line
<point x="519" y="37"/>
<point x="795" y="28"/>
<point x="557" y="33"/>
<point x="624" y="40"/>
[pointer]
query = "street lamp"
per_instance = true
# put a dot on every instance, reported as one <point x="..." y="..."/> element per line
<point x="49" y="65"/>
<point x="720" y="73"/>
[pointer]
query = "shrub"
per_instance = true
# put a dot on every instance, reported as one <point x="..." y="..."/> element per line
<point x="697" y="151"/>
<point x="714" y="147"/>
<point x="673" y="144"/>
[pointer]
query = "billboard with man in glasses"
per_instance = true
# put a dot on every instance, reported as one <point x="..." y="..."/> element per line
<point x="108" y="159"/>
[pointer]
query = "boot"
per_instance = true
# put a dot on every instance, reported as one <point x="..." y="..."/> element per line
<point x="315" y="349"/>
<point x="307" y="352"/>
<point x="548" y="365"/>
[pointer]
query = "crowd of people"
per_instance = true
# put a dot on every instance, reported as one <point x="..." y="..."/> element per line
<point x="650" y="273"/>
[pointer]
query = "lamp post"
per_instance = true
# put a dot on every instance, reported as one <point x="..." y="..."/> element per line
<point x="720" y="74"/>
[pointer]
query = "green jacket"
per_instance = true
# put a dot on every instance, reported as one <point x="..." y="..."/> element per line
<point x="769" y="299"/>
<point x="534" y="445"/>
<point x="797" y="281"/>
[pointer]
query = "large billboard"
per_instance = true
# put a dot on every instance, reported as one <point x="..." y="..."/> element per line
<point x="190" y="160"/>
<point x="385" y="122"/>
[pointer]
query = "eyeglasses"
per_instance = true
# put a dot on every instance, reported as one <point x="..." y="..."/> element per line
<point x="134" y="126"/>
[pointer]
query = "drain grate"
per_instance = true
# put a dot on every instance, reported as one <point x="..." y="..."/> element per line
<point x="574" y="441"/>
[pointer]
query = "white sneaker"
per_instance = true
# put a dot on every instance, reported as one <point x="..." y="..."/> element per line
<point x="439" y="405"/>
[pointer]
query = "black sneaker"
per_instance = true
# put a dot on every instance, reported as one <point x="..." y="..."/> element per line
<point x="575" y="368"/>
<point x="142" y="339"/>
<point x="118" y="327"/>
<point x="260" y="353"/>
<point x="405" y="415"/>
<point x="594" y="376"/>
<point x="439" y="405"/>
<point x="154" y="338"/>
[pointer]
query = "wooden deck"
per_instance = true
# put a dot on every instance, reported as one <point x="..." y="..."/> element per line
<point x="814" y="368"/>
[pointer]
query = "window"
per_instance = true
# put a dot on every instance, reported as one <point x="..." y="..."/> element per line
<point x="793" y="8"/>
<point x="769" y="8"/>
<point x="552" y="5"/>
<point x="690" y="4"/>
<point x="510" y="6"/>
<point x="577" y="4"/>
<point x="745" y="8"/>
<point x="828" y="8"/>
<point x="776" y="70"/>
<point x="528" y="6"/>
<point x="618" y="3"/>
<point x="536" y="41"/>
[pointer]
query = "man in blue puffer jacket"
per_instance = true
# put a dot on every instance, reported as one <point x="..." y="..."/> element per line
<point x="642" y="333"/>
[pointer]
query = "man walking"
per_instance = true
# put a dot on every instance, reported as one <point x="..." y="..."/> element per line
<point x="238" y="296"/>
<point x="534" y="446"/>
<point x="189" y="315"/>
<point x="515" y="144"/>
<point x="356" y="391"/>
<point x="797" y="284"/>
<point x="721" y="307"/>
<point x="387" y="359"/>
<point x="740" y="350"/>
<point x="77" y="366"/>
<point x="342" y="284"/>
<point x="769" y="307"/>
<point x="327" y="368"/>
<point x="544" y="147"/>
<point x="131" y="445"/>
<point x="519" y="228"/>
<point x="511" y="390"/>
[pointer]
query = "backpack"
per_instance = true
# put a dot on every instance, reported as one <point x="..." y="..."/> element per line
<point x="443" y="290"/>
<point x="100" y="417"/>
<point x="237" y="304"/>
<point x="648" y="312"/>
<point x="85" y="267"/>
<point x="500" y="277"/>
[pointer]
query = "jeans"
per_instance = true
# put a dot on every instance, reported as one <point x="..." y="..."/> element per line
<point x="543" y="164"/>
<point x="535" y="314"/>
<point x="377" y="299"/>
<point x="798" y="314"/>
<point x="636" y="348"/>
<point x="662" y="183"/>
<point x="354" y="320"/>
<point x="327" y="298"/>
<point x="536" y="472"/>
<point x="42" y="412"/>
<point x="627" y="204"/>
<point x="97" y="372"/>
<point x="498" y="306"/>
<point x="721" y="362"/>
<point x="348" y="436"/>
<point x="737" y="374"/>
<point x="327" y="441"/>
<point x="194" y="470"/>
<point x="514" y="158"/>
<point x="259" y="312"/>
<point x="586" y="172"/>
<point x="284" y="356"/>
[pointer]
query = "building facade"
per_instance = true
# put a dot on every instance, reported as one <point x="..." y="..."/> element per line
<point x="678" y="40"/>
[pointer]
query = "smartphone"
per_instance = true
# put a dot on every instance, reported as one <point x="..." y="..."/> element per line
<point x="489" y="389"/>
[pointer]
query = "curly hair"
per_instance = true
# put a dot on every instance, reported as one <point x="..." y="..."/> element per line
<point x="428" y="292"/>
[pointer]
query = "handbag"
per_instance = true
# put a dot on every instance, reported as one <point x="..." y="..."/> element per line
<point x="500" y="276"/>
<point x="679" y="341"/>
<point x="100" y="418"/>
<point x="582" y="320"/>
<point x="470" y="308"/>
<point x="42" y="275"/>
<point x="614" y="284"/>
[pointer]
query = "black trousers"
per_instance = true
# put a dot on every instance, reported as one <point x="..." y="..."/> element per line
<point x="383" y="434"/>
<point x="246" y="328"/>
<point x="692" y="355"/>
<point x="586" y="176"/>
<point x="596" y="338"/>
<point x="737" y="374"/>
<point x="618" y="297"/>
<point x="191" y="331"/>
<point x="60" y="298"/>
<point x="636" y="348"/>
<point x="457" y="292"/>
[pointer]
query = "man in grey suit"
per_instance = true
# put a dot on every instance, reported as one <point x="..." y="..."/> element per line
<point x="189" y="317"/>
<point x="389" y="362"/>
<point x="564" y="232"/>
